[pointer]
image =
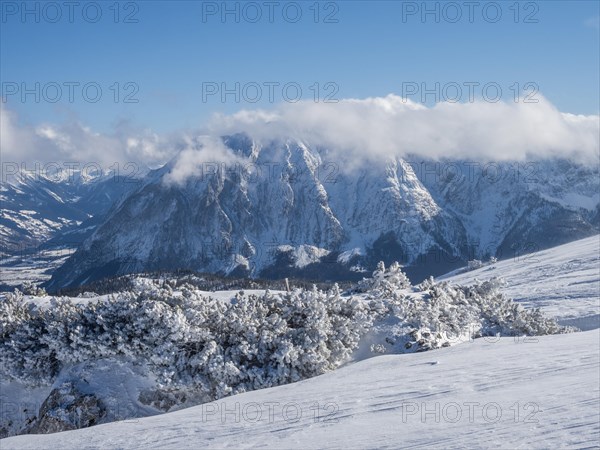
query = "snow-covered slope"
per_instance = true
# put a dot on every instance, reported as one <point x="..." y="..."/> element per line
<point x="486" y="394"/>
<point x="563" y="281"/>
<point x="510" y="392"/>
<point x="284" y="208"/>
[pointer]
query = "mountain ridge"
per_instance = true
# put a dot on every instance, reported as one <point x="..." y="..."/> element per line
<point x="312" y="218"/>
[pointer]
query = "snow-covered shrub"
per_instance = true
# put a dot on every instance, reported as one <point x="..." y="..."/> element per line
<point x="435" y="315"/>
<point x="29" y="288"/>
<point x="23" y="353"/>
<point x="384" y="281"/>
<point x="268" y="340"/>
<point x="475" y="264"/>
<point x="214" y="347"/>
<point x="198" y="348"/>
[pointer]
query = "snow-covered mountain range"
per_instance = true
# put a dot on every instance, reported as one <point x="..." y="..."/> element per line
<point x="289" y="208"/>
<point x="55" y="207"/>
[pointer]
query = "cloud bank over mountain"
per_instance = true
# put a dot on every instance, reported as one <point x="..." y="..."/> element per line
<point x="353" y="130"/>
<point x="393" y="126"/>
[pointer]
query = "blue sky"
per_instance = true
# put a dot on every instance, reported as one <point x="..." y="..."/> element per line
<point x="372" y="50"/>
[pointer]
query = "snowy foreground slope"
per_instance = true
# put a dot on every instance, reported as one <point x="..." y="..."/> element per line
<point x="509" y="392"/>
<point x="489" y="393"/>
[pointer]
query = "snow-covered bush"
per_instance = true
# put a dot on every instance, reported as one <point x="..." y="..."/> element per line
<point x="475" y="264"/>
<point x="434" y="315"/>
<point x="384" y="281"/>
<point x="215" y="347"/>
<point x="29" y="288"/>
<point x="23" y="354"/>
<point x="200" y="349"/>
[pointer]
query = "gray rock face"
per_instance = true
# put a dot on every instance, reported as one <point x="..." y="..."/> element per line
<point x="290" y="209"/>
<point x="162" y="400"/>
<point x="66" y="408"/>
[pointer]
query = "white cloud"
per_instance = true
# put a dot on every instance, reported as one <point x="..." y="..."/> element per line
<point x="353" y="130"/>
<point x="200" y="155"/>
<point x="75" y="142"/>
<point x="384" y="127"/>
